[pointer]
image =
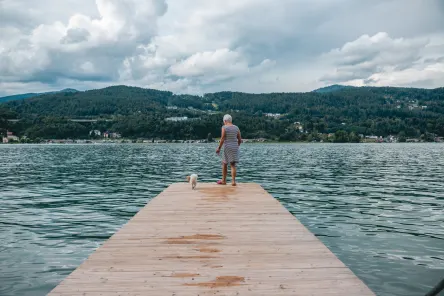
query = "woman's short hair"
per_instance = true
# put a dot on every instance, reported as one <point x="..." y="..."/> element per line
<point x="227" y="118"/>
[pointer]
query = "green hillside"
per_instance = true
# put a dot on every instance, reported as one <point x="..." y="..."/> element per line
<point x="137" y="112"/>
<point x="31" y="95"/>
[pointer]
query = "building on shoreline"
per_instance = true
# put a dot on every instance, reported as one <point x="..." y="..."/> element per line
<point x="183" y="118"/>
<point x="95" y="133"/>
<point x="113" y="135"/>
<point x="10" y="137"/>
<point x="273" y="115"/>
<point x="297" y="125"/>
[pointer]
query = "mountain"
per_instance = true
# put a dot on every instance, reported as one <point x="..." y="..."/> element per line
<point x="67" y="90"/>
<point x="31" y="95"/>
<point x="332" y="88"/>
<point x="149" y="113"/>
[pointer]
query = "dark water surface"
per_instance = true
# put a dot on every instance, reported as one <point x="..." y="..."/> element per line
<point x="379" y="208"/>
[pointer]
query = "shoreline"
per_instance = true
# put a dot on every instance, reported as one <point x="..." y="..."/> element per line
<point x="195" y="143"/>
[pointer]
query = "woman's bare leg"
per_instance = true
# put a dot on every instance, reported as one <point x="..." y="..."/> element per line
<point x="224" y="173"/>
<point x="233" y="173"/>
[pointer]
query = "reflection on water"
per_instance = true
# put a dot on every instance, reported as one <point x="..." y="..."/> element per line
<point x="379" y="208"/>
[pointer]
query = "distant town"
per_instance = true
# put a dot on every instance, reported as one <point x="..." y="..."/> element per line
<point x="107" y="137"/>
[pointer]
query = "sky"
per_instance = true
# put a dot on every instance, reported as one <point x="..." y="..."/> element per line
<point x="202" y="46"/>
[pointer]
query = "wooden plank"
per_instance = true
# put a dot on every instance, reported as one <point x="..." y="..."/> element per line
<point x="216" y="240"/>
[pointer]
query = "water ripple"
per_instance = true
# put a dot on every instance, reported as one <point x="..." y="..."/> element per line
<point x="379" y="208"/>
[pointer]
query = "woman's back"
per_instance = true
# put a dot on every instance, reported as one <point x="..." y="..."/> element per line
<point x="231" y="132"/>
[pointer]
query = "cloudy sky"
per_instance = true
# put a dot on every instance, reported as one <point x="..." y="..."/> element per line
<point x="198" y="46"/>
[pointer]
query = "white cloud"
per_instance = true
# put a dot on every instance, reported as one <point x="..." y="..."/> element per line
<point x="58" y="50"/>
<point x="219" y="64"/>
<point x="381" y="60"/>
<point x="211" y="45"/>
<point x="430" y="76"/>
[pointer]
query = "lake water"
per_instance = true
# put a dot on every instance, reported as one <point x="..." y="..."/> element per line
<point x="378" y="207"/>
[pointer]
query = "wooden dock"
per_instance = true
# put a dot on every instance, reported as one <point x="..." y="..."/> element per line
<point x="216" y="240"/>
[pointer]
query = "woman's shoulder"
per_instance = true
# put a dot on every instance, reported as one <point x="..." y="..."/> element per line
<point x="230" y="127"/>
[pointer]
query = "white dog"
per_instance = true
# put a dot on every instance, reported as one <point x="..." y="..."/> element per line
<point x="193" y="180"/>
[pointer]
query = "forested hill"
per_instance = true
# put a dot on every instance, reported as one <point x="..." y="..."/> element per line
<point x="31" y="95"/>
<point x="138" y="112"/>
<point x="124" y="100"/>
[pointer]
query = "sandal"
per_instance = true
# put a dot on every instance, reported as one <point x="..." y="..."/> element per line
<point x="221" y="183"/>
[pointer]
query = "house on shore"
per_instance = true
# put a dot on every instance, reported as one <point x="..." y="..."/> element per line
<point x="113" y="135"/>
<point x="95" y="133"/>
<point x="183" y="118"/>
<point x="10" y="137"/>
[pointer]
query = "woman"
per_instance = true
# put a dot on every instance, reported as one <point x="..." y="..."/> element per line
<point x="231" y="139"/>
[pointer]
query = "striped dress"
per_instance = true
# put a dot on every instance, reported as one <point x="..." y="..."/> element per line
<point x="231" y="147"/>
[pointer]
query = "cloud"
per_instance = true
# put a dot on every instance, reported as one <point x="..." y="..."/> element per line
<point x="214" y="66"/>
<point x="382" y="60"/>
<point x="75" y="35"/>
<point x="208" y="45"/>
<point x="83" y="48"/>
<point x="430" y="76"/>
<point x="12" y="16"/>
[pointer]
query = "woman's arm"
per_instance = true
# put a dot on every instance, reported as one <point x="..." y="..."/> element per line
<point x="239" y="138"/>
<point x="222" y="140"/>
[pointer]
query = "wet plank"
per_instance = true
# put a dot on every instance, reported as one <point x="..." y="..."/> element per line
<point x="216" y="240"/>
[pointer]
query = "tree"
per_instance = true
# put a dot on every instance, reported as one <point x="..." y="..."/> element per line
<point x="354" y="138"/>
<point x="402" y="137"/>
<point x="341" y="137"/>
<point x="428" y="137"/>
<point x="310" y="138"/>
